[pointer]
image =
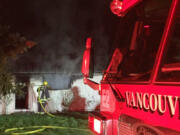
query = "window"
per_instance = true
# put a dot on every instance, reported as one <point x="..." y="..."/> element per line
<point x="133" y="58"/>
<point x="21" y="102"/>
<point x="170" y="70"/>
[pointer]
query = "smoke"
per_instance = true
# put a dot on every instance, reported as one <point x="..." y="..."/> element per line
<point x="60" y="28"/>
<point x="58" y="82"/>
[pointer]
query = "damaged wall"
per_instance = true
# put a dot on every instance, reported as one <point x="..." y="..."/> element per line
<point x="79" y="97"/>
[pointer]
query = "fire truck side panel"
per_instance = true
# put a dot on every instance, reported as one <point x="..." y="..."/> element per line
<point x="153" y="104"/>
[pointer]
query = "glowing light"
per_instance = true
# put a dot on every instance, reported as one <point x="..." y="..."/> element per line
<point x="97" y="126"/>
<point x="146" y="26"/>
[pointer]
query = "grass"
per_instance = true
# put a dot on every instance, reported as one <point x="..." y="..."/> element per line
<point x="73" y="123"/>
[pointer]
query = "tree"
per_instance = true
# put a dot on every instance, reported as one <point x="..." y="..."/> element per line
<point x="11" y="45"/>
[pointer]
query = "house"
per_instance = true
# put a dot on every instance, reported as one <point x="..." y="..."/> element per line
<point x="61" y="94"/>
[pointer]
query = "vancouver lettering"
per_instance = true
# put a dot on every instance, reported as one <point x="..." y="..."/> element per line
<point x="152" y="102"/>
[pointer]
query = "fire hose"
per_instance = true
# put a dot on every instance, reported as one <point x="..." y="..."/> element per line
<point x="40" y="102"/>
<point x="39" y="129"/>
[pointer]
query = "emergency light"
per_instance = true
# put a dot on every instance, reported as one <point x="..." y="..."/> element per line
<point x="121" y="7"/>
<point x="96" y="124"/>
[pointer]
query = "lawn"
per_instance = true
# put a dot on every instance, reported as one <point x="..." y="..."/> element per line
<point x="36" y="124"/>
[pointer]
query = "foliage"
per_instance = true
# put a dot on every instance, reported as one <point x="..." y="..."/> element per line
<point x="11" y="44"/>
<point x="7" y="86"/>
<point x="26" y="120"/>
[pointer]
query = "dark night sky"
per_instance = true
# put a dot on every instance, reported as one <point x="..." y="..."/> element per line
<point x="60" y="28"/>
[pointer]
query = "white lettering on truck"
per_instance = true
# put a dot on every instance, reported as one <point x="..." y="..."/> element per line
<point x="152" y="102"/>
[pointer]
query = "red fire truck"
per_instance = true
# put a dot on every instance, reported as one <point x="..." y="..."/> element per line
<point x="140" y="88"/>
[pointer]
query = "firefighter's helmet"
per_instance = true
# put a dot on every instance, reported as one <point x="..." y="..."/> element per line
<point x="45" y="83"/>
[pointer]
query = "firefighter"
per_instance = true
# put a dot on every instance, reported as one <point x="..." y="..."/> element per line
<point x="43" y="97"/>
